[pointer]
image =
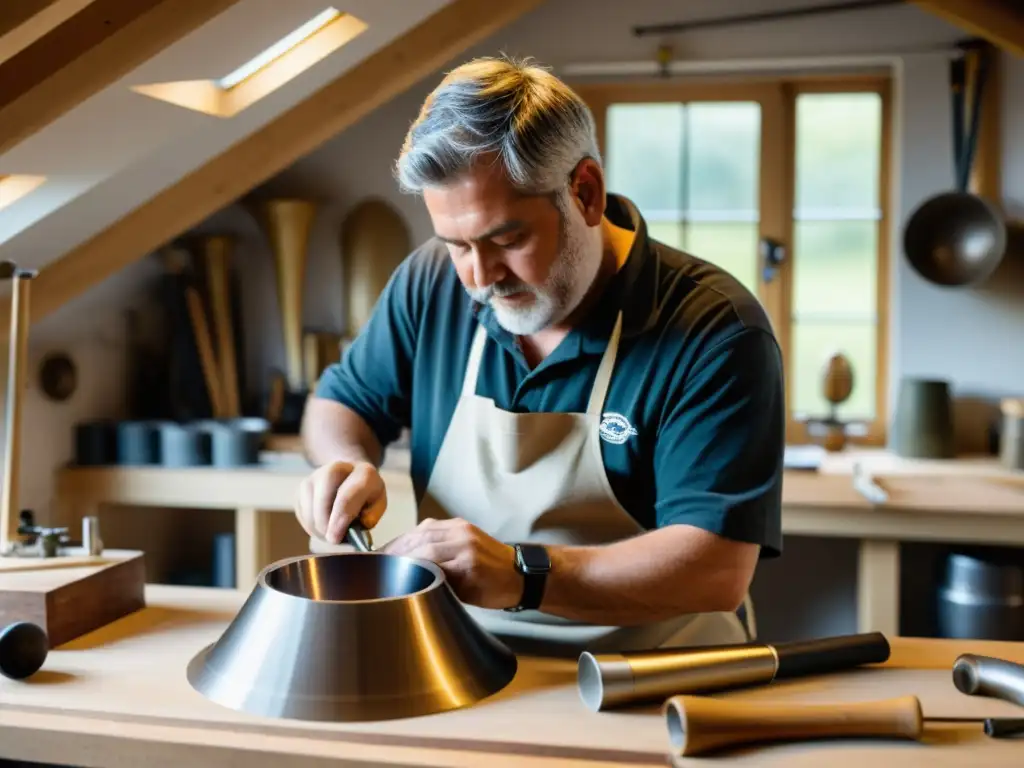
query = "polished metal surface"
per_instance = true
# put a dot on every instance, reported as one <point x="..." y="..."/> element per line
<point x="987" y="676"/>
<point x="619" y="679"/>
<point x="359" y="537"/>
<point x="955" y="239"/>
<point x="351" y="636"/>
<point x="91" y="541"/>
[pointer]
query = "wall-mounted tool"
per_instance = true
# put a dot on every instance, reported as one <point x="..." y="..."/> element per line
<point x="700" y="725"/>
<point x="612" y="680"/>
<point x="959" y="237"/>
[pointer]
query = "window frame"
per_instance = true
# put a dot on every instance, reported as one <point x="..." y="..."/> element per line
<point x="777" y="97"/>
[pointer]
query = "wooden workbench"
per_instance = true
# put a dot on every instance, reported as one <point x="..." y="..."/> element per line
<point x="118" y="698"/>
<point x="972" y="501"/>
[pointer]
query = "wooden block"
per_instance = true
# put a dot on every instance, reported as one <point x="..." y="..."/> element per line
<point x="70" y="602"/>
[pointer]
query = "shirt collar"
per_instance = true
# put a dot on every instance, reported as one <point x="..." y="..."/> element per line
<point x="633" y="290"/>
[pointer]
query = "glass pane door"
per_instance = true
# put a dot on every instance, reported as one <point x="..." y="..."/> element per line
<point x="693" y="170"/>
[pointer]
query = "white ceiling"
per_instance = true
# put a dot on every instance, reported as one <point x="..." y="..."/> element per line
<point x="119" y="148"/>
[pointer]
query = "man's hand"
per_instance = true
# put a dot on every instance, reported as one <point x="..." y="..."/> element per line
<point x="338" y="493"/>
<point x="480" y="568"/>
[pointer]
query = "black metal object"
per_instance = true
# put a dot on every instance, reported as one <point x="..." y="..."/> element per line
<point x="958" y="238"/>
<point x="757" y="18"/>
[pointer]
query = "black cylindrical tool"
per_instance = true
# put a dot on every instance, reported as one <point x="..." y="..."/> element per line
<point x="618" y="679"/>
<point x="23" y="649"/>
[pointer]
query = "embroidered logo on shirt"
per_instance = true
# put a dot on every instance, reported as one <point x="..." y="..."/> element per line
<point x="615" y="428"/>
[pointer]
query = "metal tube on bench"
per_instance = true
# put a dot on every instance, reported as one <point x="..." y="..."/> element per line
<point x="612" y="680"/>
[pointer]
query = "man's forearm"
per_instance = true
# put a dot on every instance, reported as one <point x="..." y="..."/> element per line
<point x="332" y="432"/>
<point x="659" y="575"/>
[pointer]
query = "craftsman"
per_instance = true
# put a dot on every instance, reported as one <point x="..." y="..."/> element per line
<point x="596" y="419"/>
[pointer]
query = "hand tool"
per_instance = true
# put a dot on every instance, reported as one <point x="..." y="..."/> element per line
<point x="987" y="676"/>
<point x="996" y="678"/>
<point x="24" y="647"/>
<point x="359" y="537"/>
<point x="699" y="725"/>
<point x="617" y="679"/>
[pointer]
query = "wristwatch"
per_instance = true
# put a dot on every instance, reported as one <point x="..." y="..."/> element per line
<point x="533" y="562"/>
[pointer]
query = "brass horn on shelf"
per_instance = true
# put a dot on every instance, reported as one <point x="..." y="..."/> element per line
<point x="287" y="223"/>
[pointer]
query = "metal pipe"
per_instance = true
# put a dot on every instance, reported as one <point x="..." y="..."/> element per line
<point x="618" y="679"/>
<point x="755" y="18"/>
<point x="987" y="676"/>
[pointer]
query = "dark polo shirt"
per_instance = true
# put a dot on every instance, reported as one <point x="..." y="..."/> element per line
<point x="694" y="419"/>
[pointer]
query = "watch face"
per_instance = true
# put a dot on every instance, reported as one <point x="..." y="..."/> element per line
<point x="534" y="558"/>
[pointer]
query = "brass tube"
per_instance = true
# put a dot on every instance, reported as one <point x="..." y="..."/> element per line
<point x="618" y="679"/>
<point x="612" y="680"/>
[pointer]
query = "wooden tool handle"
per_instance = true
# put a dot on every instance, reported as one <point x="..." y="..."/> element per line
<point x="207" y="357"/>
<point x="697" y="724"/>
<point x="217" y="255"/>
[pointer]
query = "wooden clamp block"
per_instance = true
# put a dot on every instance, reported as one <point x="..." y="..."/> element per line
<point x="71" y="601"/>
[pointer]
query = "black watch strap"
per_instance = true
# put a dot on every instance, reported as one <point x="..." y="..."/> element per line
<point x="533" y="563"/>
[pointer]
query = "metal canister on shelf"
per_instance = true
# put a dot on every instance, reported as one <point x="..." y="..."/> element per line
<point x="91" y="541"/>
<point x="1011" y="441"/>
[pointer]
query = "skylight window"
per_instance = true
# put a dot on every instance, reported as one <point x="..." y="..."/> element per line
<point x="279" y="64"/>
<point x="282" y="46"/>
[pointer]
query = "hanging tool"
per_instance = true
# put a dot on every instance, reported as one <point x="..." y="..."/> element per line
<point x="699" y="725"/>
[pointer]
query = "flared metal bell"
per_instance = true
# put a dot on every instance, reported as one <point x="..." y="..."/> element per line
<point x="955" y="239"/>
<point x="351" y="637"/>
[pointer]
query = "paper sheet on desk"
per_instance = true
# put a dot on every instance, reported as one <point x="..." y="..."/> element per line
<point x="807" y="457"/>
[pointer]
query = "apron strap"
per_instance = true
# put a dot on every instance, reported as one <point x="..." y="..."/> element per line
<point x="604" y="371"/>
<point x="476" y="352"/>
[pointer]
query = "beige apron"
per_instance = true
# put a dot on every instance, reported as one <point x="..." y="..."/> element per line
<point x="539" y="477"/>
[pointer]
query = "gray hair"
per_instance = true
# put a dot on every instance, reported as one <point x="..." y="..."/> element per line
<point x="520" y="114"/>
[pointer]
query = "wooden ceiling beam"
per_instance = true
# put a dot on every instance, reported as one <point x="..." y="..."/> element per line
<point x="14" y="14"/>
<point x="1001" y="22"/>
<point x="77" y="58"/>
<point x="22" y="22"/>
<point x="289" y="137"/>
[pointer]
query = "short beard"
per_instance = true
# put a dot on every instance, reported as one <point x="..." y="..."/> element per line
<point x="567" y="283"/>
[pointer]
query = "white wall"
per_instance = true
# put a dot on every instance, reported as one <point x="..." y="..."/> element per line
<point x="966" y="336"/>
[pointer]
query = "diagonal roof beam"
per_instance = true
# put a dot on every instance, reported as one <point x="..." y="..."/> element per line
<point x="294" y="134"/>
<point x="22" y="22"/>
<point x="83" y="54"/>
<point x="1001" y="22"/>
<point x="14" y="14"/>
